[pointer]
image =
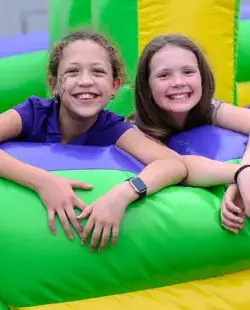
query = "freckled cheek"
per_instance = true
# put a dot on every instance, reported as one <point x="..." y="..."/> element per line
<point x="64" y="90"/>
<point x="70" y="84"/>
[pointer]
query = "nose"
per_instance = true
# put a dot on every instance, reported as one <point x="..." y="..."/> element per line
<point x="85" y="79"/>
<point x="178" y="81"/>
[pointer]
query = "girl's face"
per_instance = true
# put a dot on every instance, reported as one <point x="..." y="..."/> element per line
<point x="175" y="80"/>
<point x="85" y="82"/>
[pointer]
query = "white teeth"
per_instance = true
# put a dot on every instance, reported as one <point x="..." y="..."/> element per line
<point x="176" y="97"/>
<point x="85" y="96"/>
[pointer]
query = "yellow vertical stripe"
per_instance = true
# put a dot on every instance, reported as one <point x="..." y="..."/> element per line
<point x="243" y="89"/>
<point x="209" y="23"/>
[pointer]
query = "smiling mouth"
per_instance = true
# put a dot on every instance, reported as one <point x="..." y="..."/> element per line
<point x="86" y="96"/>
<point x="179" y="96"/>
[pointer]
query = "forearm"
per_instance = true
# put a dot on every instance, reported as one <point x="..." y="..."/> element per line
<point x="204" y="172"/>
<point x="157" y="175"/>
<point x="19" y="172"/>
<point x="246" y="157"/>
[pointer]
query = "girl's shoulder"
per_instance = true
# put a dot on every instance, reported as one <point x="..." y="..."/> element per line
<point x="35" y="103"/>
<point x="34" y="113"/>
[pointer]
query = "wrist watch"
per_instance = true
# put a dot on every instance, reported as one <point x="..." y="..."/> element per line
<point x="139" y="186"/>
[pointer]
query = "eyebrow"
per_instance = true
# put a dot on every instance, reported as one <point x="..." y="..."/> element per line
<point x="189" y="66"/>
<point x="94" y="63"/>
<point x="97" y="63"/>
<point x="183" y="67"/>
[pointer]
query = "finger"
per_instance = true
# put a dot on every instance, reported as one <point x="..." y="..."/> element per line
<point x="65" y="223"/>
<point x="72" y="217"/>
<point x="96" y="235"/>
<point x="79" y="203"/>
<point x="226" y="222"/>
<point x="85" y="213"/>
<point x="230" y="229"/>
<point x="51" y="221"/>
<point x="232" y="207"/>
<point x="79" y="184"/>
<point x="242" y="214"/>
<point x="105" y="237"/>
<point x="87" y="229"/>
<point x="231" y="217"/>
<point x="115" y="233"/>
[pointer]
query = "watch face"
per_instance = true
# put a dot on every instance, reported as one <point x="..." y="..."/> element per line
<point x="140" y="186"/>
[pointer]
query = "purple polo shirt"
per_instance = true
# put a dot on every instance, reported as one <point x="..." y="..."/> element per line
<point x="40" y="124"/>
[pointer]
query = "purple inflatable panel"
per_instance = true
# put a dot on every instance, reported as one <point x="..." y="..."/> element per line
<point x="72" y="157"/>
<point x="245" y="11"/>
<point x="209" y="141"/>
<point x="21" y="44"/>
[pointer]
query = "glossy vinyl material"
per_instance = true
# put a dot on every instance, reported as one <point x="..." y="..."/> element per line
<point x="29" y="43"/>
<point x="72" y="157"/>
<point x="228" y="292"/>
<point x="21" y="76"/>
<point x="171" y="237"/>
<point x="243" y="74"/>
<point x="209" y="141"/>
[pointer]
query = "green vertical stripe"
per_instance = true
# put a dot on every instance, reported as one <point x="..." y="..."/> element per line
<point x="235" y="48"/>
<point x="80" y="14"/>
<point x="117" y="19"/>
<point x="58" y="19"/>
<point x="65" y="16"/>
<point x="243" y="65"/>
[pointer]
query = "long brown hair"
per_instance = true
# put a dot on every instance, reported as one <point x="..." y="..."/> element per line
<point x="154" y="121"/>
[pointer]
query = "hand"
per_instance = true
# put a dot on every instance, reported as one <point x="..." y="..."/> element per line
<point x="106" y="214"/>
<point x="243" y="185"/>
<point x="232" y="209"/>
<point x="57" y="195"/>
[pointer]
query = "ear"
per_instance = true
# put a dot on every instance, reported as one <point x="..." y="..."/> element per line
<point x="52" y="84"/>
<point x="116" y="84"/>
